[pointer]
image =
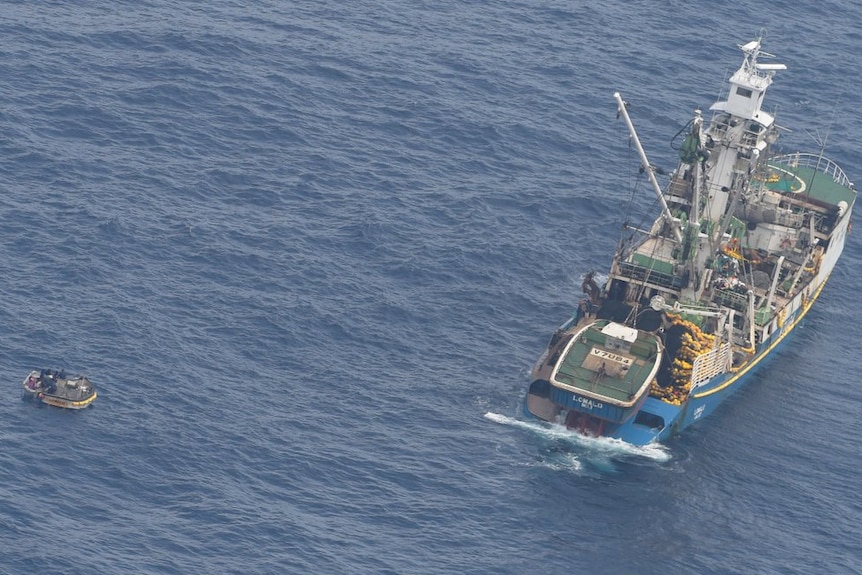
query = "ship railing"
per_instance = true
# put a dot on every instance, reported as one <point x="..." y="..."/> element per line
<point x="732" y="299"/>
<point x="708" y="365"/>
<point x="643" y="273"/>
<point x="816" y="162"/>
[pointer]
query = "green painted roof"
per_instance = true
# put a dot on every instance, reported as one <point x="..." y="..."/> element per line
<point x="572" y="374"/>
<point x="827" y="185"/>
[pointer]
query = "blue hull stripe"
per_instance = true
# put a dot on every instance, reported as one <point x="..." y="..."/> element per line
<point x="784" y="333"/>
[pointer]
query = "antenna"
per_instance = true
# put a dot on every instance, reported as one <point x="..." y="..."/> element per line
<point x="828" y="129"/>
<point x="822" y="144"/>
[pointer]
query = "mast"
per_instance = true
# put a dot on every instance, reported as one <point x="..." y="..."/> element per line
<point x="693" y="229"/>
<point x="697" y="165"/>
<point x="740" y="147"/>
<point x="621" y="108"/>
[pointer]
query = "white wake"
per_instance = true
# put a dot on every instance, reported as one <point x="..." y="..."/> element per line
<point x="602" y="446"/>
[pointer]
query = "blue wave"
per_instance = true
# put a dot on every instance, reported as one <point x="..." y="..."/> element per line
<point x="302" y="249"/>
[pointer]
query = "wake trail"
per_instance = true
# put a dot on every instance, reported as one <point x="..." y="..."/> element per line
<point x="601" y="445"/>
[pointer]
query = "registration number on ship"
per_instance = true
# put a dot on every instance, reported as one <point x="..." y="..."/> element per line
<point x="587" y="403"/>
<point x="611" y="356"/>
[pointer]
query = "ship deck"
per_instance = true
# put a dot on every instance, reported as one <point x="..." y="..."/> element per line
<point x="816" y="186"/>
<point x="589" y="369"/>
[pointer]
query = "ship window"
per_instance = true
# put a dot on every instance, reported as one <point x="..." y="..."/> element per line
<point x="541" y="388"/>
<point x="744" y="92"/>
<point x="650" y="420"/>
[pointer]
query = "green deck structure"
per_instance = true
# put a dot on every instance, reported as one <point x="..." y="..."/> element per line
<point x="571" y="372"/>
<point x="825" y="185"/>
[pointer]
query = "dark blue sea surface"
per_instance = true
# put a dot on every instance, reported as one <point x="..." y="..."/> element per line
<point x="308" y="252"/>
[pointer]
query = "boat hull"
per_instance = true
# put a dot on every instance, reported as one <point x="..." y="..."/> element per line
<point x="658" y="421"/>
<point x="67" y="403"/>
<point x="53" y="388"/>
<point x="744" y="242"/>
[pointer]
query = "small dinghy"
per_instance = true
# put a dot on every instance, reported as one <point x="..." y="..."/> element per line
<point x="58" y="389"/>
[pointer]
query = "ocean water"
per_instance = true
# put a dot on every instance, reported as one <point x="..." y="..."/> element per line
<point x="308" y="252"/>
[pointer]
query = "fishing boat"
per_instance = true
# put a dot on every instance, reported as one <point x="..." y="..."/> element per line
<point x="744" y="243"/>
<point x="60" y="390"/>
